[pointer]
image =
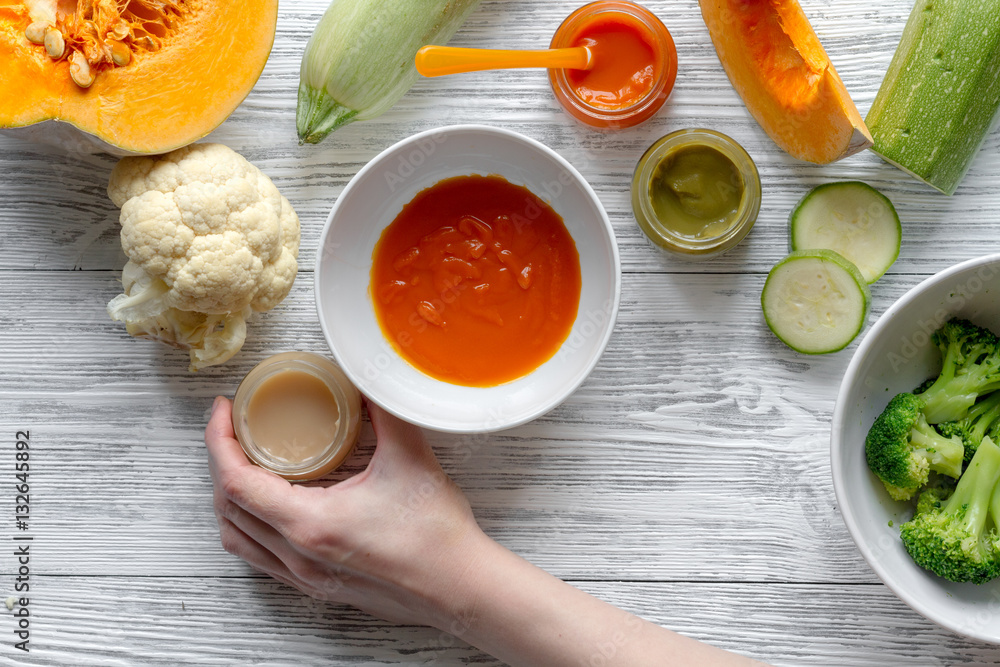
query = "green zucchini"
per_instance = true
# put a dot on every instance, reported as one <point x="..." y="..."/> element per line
<point x="815" y="301"/>
<point x="360" y="59"/>
<point x="942" y="91"/>
<point x="853" y="219"/>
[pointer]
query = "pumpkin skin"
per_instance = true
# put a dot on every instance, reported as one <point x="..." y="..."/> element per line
<point x="161" y="100"/>
<point x="777" y="65"/>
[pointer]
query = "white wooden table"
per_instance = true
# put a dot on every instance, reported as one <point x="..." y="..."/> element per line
<point x="688" y="480"/>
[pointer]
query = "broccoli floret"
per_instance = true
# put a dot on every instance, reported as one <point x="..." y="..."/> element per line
<point x="902" y="448"/>
<point x="981" y="419"/>
<point x="955" y="429"/>
<point x="956" y="537"/>
<point x="938" y="489"/>
<point x="970" y="367"/>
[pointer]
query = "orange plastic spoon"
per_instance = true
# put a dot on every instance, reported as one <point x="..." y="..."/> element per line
<point x="441" y="60"/>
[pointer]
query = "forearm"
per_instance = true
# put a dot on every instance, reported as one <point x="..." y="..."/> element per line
<point x="400" y="541"/>
<point x="526" y="617"/>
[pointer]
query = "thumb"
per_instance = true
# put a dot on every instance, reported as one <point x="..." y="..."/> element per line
<point x="398" y="444"/>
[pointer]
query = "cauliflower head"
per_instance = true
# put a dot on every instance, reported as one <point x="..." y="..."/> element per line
<point x="209" y="239"/>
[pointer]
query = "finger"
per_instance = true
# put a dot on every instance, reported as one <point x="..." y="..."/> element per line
<point x="262" y="493"/>
<point x="224" y="450"/>
<point x="262" y="547"/>
<point x="241" y="545"/>
<point x="388" y="425"/>
<point x="271" y="540"/>
<point x="398" y="443"/>
<point x="291" y="583"/>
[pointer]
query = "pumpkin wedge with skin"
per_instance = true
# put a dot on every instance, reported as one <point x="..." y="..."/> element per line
<point x="777" y="65"/>
<point x="136" y="76"/>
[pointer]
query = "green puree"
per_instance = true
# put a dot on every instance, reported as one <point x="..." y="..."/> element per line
<point x="696" y="192"/>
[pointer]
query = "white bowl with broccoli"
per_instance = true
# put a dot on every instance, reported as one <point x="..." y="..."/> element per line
<point x="898" y="355"/>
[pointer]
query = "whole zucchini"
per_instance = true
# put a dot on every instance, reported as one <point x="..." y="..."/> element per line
<point x="942" y="92"/>
<point x="359" y="60"/>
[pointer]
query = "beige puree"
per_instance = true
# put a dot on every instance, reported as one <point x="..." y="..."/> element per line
<point x="297" y="414"/>
<point x="293" y="416"/>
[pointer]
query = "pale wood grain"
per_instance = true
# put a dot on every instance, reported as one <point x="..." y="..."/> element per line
<point x="123" y="621"/>
<point x="697" y="449"/>
<point x="687" y="480"/>
<point x="66" y="222"/>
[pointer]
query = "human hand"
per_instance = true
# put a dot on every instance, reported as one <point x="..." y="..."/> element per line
<point x="400" y="542"/>
<point x="396" y="540"/>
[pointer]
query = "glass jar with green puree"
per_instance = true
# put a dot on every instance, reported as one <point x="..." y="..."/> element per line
<point x="696" y="193"/>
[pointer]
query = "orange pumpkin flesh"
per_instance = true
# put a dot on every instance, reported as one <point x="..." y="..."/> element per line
<point x="185" y="73"/>
<point x="778" y="66"/>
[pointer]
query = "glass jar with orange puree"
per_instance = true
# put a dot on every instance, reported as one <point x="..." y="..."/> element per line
<point x="635" y="64"/>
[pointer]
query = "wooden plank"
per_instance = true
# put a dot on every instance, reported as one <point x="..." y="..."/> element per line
<point x="56" y="215"/>
<point x="133" y="622"/>
<point x="698" y="439"/>
<point x="687" y="480"/>
<point x="56" y="336"/>
<point x="139" y="502"/>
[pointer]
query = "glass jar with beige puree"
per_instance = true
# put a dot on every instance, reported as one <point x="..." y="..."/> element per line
<point x="297" y="414"/>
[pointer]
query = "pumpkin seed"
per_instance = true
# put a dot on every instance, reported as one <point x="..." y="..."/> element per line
<point x="121" y="55"/>
<point x="55" y="45"/>
<point x="36" y="32"/>
<point x="121" y="30"/>
<point x="79" y="70"/>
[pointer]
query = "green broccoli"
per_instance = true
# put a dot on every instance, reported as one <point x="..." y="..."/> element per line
<point x="955" y="536"/>
<point x="970" y="367"/>
<point x="902" y="448"/>
<point x="981" y="419"/>
<point x="938" y="489"/>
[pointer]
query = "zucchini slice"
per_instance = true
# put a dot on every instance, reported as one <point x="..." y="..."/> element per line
<point x="815" y="301"/>
<point x="853" y="219"/>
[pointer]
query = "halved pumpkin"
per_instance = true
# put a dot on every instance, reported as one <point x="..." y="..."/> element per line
<point x="145" y="76"/>
<point x="778" y="66"/>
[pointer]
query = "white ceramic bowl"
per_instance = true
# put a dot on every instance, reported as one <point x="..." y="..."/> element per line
<point x="371" y="201"/>
<point x="894" y="357"/>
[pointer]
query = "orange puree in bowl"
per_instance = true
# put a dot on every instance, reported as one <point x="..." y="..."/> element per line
<point x="624" y="62"/>
<point x="476" y="282"/>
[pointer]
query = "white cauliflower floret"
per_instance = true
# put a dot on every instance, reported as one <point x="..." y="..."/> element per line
<point x="209" y="240"/>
